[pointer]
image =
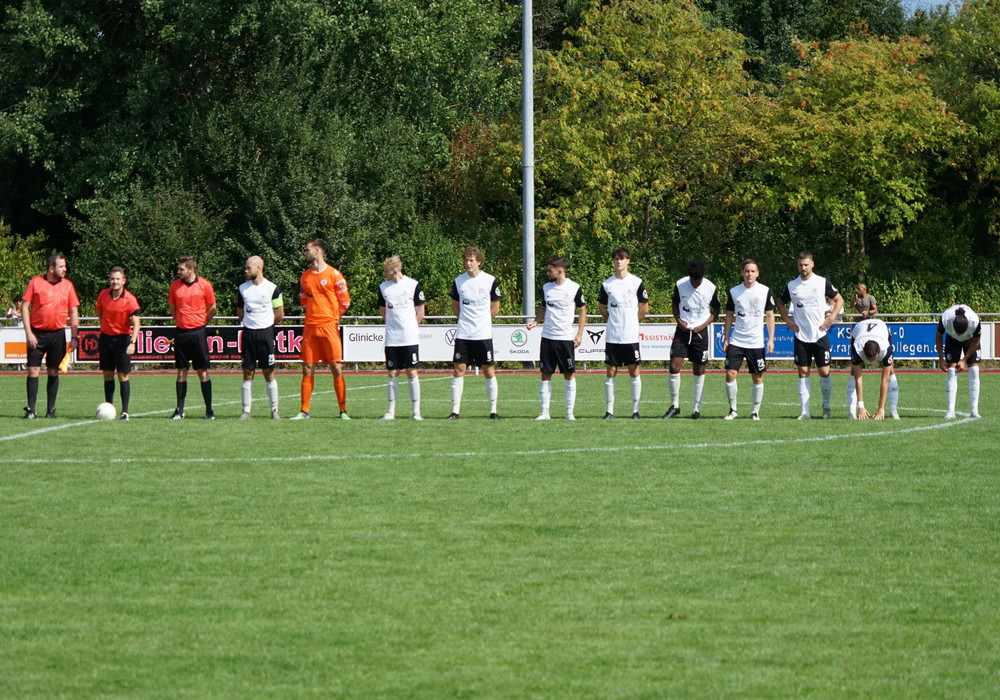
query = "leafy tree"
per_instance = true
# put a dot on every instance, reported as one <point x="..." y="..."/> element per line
<point x="21" y="258"/>
<point x="854" y="138"/>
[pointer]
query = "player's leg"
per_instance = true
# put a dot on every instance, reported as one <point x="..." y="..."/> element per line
<point x="485" y="358"/>
<point x="635" y="387"/>
<point x="892" y="401"/>
<point x="567" y="365"/>
<point x="678" y="351"/>
<point x="246" y="389"/>
<point x="731" y="386"/>
<point x="271" y="386"/>
<point x="972" y="364"/>
<point x="391" y="393"/>
<point x="803" y="360"/>
<point x="547" y="366"/>
<point x="413" y="382"/>
<point x="611" y="373"/>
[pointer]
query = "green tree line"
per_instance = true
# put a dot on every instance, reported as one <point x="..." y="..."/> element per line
<point x="131" y="133"/>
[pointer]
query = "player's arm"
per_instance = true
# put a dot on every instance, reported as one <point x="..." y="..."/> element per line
<point x="973" y="348"/>
<point x="859" y="391"/>
<point x="874" y="309"/>
<point x="279" y="310"/>
<point x="883" y="392"/>
<point x="769" y="321"/>
<point x="343" y="295"/>
<point x="210" y="312"/>
<point x="939" y="344"/>
<point x="494" y="308"/>
<point x="134" y="338"/>
<point x="581" y="324"/>
<point x="643" y="310"/>
<point x="714" y="308"/>
<point x="675" y="309"/>
<point x="74" y="327"/>
<point x="727" y="325"/>
<point x="783" y="310"/>
<point x="838" y="305"/>
<point x="539" y="317"/>
<point x="29" y="336"/>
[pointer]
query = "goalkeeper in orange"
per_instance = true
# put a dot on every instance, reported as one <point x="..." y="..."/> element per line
<point x="324" y="298"/>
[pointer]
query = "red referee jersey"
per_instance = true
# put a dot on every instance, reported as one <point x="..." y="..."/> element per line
<point x="192" y="302"/>
<point x="116" y="314"/>
<point x="50" y="303"/>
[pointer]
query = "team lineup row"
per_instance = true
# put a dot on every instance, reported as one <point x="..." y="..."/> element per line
<point x="809" y="304"/>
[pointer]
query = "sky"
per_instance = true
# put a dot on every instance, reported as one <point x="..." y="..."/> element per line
<point x="910" y="5"/>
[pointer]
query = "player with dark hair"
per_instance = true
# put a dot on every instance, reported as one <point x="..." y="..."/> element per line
<point x="871" y="343"/>
<point x="118" y="313"/>
<point x="324" y="297"/>
<point x="561" y="299"/>
<point x="259" y="306"/>
<point x="695" y="305"/>
<point x="192" y="305"/>
<point x="750" y="306"/>
<point x="957" y="340"/>
<point x="475" y="300"/>
<point x="401" y="303"/>
<point x="808" y="295"/>
<point x="46" y="304"/>
<point x="622" y="302"/>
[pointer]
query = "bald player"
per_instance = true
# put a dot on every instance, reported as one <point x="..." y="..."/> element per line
<point x="259" y="306"/>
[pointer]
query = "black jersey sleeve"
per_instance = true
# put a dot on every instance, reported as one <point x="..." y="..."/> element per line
<point x="786" y="296"/>
<point x="730" y="304"/>
<point x="714" y="304"/>
<point x="381" y="298"/>
<point x="831" y="291"/>
<point x="418" y="295"/>
<point x="239" y="300"/>
<point x="495" y="291"/>
<point x="454" y="292"/>
<point x="642" y="294"/>
<point x="579" y="297"/>
<point x="602" y="296"/>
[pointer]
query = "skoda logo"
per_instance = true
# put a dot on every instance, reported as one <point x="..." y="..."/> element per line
<point x="518" y="338"/>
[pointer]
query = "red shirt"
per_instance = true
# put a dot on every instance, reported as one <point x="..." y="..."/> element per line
<point x="191" y="302"/>
<point x="116" y="314"/>
<point x="50" y="303"/>
<point x="323" y="295"/>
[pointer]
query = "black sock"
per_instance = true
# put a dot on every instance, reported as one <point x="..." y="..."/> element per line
<point x="182" y="390"/>
<point x="126" y="393"/>
<point x="51" y="389"/>
<point x="109" y="391"/>
<point x="206" y="392"/>
<point x="32" y="392"/>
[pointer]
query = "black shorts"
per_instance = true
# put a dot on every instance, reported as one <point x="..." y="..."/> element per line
<point x="474" y="353"/>
<point x="754" y="357"/>
<point x="819" y="351"/>
<point x="257" y="348"/>
<point x="111" y="355"/>
<point x="402" y="356"/>
<point x="191" y="348"/>
<point x="557" y="353"/>
<point x="622" y="354"/>
<point x="51" y="346"/>
<point x="954" y="350"/>
<point x="690" y="345"/>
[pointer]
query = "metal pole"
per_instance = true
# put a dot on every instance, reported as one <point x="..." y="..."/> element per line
<point x="528" y="163"/>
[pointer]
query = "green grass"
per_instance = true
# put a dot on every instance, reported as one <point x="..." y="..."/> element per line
<point x="599" y="558"/>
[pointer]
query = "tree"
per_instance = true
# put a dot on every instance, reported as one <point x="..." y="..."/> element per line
<point x="21" y="258"/>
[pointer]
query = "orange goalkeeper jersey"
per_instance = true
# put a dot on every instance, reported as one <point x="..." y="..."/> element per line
<point x="323" y="295"/>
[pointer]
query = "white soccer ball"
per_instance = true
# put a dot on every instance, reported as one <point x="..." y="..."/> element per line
<point x="106" y="411"/>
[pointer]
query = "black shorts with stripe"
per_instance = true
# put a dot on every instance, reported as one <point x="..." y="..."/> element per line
<point x="557" y="354"/>
<point x="257" y="348"/>
<point x="402" y="356"/>
<point x="51" y="345"/>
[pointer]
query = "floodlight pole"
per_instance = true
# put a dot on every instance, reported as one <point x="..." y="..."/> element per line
<point x="527" y="162"/>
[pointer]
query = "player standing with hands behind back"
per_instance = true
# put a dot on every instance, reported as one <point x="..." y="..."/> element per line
<point x="622" y="302"/>
<point x="401" y="303"/>
<point x="192" y="304"/>
<point x="118" y="313"/>
<point x="259" y="305"/>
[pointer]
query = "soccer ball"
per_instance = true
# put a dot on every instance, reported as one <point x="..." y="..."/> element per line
<point x="106" y="411"/>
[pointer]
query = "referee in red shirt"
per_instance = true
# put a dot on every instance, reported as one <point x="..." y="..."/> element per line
<point x="118" y="312"/>
<point x="48" y="301"/>
<point x="192" y="304"/>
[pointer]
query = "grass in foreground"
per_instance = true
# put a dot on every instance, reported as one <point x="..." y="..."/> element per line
<point x="603" y="558"/>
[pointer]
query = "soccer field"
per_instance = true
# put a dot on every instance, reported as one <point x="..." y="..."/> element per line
<point x="621" y="558"/>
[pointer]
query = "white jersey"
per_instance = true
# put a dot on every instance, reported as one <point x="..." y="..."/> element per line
<point x="749" y="304"/>
<point x="474" y="295"/>
<point x="872" y="329"/>
<point x="258" y="302"/>
<point x="561" y="302"/>
<point x="623" y="297"/>
<point x="947" y="323"/>
<point x="400" y="301"/>
<point x="808" y="304"/>
<point x="695" y="304"/>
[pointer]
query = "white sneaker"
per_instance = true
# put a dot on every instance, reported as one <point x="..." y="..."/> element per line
<point x="543" y="416"/>
<point x="754" y="416"/>
<point x="950" y="415"/>
<point x="975" y="415"/>
<point x="244" y="416"/>
<point x="851" y="416"/>
<point x="732" y="415"/>
<point x="417" y="416"/>
<point x="804" y="416"/>
<point x="894" y="415"/>
<point x="826" y="412"/>
<point x="389" y="416"/>
<point x="570" y="416"/>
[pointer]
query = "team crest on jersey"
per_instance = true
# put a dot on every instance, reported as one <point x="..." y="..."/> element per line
<point x="322" y="283"/>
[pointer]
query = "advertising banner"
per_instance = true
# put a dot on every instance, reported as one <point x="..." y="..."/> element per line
<point x="910" y="341"/>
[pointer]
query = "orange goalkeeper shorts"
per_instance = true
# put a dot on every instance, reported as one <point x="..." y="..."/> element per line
<point x="321" y="344"/>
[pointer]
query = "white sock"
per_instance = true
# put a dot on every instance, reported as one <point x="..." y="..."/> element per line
<point x="951" y="388"/>
<point x="635" y="389"/>
<point x="674" y="384"/>
<point x="492" y="390"/>
<point x="757" y="395"/>
<point x="974" y="388"/>
<point x="246" y="393"/>
<point x="804" y="394"/>
<point x="893" y="400"/>
<point x="699" y="390"/>
<point x="731" y="389"/>
<point x="415" y="394"/>
<point x="852" y="396"/>
<point x="609" y="394"/>
<point x="392" y="389"/>
<point x="272" y="393"/>
<point x="570" y="395"/>
<point x="546" y="396"/>
<point x="457" y="385"/>
<point x="826" y="387"/>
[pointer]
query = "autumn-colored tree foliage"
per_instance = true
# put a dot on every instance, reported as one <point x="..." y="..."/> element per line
<point x="853" y="137"/>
